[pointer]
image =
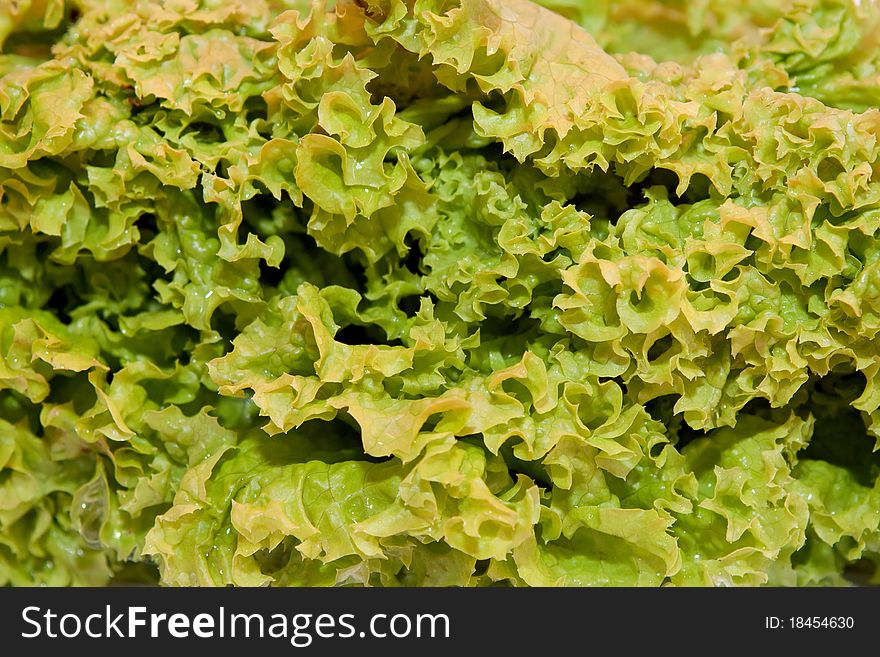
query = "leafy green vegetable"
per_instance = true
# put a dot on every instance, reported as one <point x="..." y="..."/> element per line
<point x="425" y="292"/>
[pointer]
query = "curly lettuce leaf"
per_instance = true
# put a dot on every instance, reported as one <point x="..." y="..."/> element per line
<point x="439" y="293"/>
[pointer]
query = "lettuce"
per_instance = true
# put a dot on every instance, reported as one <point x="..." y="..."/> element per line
<point x="431" y="293"/>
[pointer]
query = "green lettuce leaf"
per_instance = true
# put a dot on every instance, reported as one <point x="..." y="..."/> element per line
<point x="439" y="293"/>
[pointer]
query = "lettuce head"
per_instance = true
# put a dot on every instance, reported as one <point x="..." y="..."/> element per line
<point x="439" y="292"/>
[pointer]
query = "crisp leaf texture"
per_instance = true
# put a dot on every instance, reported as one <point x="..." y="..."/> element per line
<point x="439" y="292"/>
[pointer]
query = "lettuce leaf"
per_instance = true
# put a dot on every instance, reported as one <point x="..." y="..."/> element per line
<point x="430" y="293"/>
